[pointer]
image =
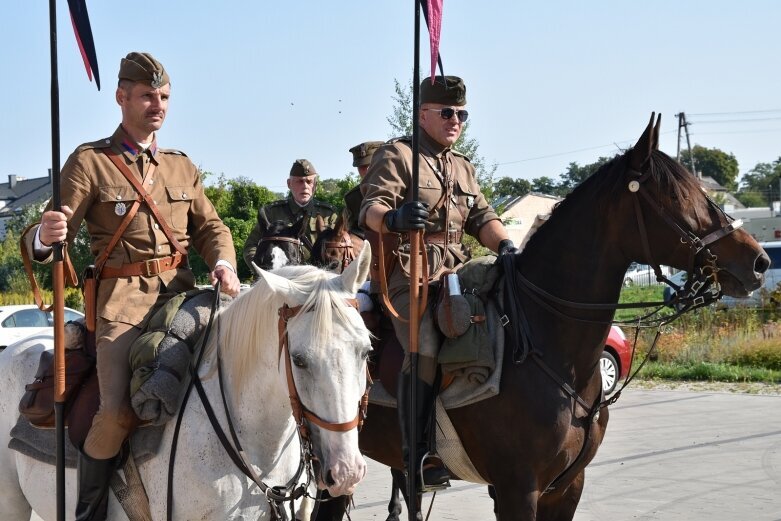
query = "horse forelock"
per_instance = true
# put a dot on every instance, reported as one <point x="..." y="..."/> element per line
<point x="249" y="326"/>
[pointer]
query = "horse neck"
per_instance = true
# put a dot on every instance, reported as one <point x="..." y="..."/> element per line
<point x="575" y="256"/>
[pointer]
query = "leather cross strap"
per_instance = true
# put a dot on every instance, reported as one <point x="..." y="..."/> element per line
<point x="122" y="167"/>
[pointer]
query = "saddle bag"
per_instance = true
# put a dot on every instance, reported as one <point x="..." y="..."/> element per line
<point x="37" y="403"/>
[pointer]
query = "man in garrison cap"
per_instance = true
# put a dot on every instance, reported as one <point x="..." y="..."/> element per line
<point x="362" y="157"/>
<point x="149" y="264"/>
<point x="450" y="204"/>
<point x="299" y="204"/>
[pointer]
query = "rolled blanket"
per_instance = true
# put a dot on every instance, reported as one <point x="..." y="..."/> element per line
<point x="160" y="375"/>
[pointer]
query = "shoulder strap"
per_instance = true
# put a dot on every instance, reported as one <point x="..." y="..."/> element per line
<point x="122" y="167"/>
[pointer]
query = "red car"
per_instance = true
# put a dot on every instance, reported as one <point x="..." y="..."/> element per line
<point x="614" y="364"/>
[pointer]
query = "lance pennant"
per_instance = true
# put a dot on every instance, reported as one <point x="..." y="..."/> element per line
<point x="83" y="30"/>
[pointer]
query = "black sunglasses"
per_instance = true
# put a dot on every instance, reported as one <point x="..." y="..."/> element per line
<point x="449" y="112"/>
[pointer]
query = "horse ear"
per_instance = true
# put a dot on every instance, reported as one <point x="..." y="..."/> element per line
<point x="642" y="149"/>
<point x="356" y="273"/>
<point x="319" y="224"/>
<point x="256" y="269"/>
<point x="655" y="134"/>
<point x="274" y="282"/>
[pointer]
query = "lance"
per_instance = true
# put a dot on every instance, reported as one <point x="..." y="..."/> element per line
<point x="81" y="27"/>
<point x="416" y="237"/>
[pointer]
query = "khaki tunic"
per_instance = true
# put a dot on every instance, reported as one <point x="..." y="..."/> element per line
<point x="352" y="209"/>
<point x="287" y="211"/>
<point x="97" y="192"/>
<point x="387" y="184"/>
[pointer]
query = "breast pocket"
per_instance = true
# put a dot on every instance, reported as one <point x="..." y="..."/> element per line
<point x="179" y="199"/>
<point x="429" y="189"/>
<point x="465" y="196"/>
<point x="115" y="203"/>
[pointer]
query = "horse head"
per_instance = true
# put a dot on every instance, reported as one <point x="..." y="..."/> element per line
<point x="336" y="247"/>
<point x="678" y="224"/>
<point x="328" y="346"/>
<point x="279" y="246"/>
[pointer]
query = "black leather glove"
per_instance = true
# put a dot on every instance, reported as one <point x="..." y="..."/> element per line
<point x="409" y="216"/>
<point x="506" y="247"/>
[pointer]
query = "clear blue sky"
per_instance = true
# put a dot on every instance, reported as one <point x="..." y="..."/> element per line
<point x="256" y="85"/>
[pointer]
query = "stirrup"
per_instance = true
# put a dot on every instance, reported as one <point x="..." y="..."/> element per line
<point x="424" y="487"/>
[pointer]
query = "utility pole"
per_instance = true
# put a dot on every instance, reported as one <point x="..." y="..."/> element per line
<point x="683" y="124"/>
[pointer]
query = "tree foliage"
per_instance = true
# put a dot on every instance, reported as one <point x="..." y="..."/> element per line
<point x="332" y="191"/>
<point x="760" y="185"/>
<point x="715" y="163"/>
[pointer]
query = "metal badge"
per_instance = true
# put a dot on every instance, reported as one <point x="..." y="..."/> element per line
<point x="470" y="201"/>
<point x="157" y="81"/>
<point x="120" y="208"/>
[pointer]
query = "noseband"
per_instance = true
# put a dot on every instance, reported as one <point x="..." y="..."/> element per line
<point x="346" y="245"/>
<point x="300" y="411"/>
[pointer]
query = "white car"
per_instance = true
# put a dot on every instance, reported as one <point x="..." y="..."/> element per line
<point x="18" y="322"/>
<point x="762" y="296"/>
<point x="643" y="275"/>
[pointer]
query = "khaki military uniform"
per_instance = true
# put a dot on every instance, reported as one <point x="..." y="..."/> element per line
<point x="99" y="194"/>
<point x="441" y="171"/>
<point x="352" y="209"/>
<point x="289" y="212"/>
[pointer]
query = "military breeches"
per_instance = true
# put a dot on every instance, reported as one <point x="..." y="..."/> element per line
<point x="115" y="419"/>
<point x="430" y="338"/>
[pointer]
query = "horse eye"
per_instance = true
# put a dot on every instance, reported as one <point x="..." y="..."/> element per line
<point x="367" y="353"/>
<point x="298" y="360"/>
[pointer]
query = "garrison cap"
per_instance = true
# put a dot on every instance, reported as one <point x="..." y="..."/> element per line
<point x="447" y="90"/>
<point x="362" y="154"/>
<point x="142" y="67"/>
<point x="302" y="168"/>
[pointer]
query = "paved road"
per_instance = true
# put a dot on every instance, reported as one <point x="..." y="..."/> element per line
<point x="667" y="455"/>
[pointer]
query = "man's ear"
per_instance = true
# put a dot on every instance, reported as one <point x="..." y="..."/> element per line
<point x="289" y="184"/>
<point x="120" y="96"/>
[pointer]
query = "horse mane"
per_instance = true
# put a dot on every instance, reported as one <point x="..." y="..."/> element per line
<point x="249" y="325"/>
<point x="603" y="188"/>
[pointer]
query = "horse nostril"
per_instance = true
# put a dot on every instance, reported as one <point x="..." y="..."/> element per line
<point x="329" y="479"/>
<point x="762" y="263"/>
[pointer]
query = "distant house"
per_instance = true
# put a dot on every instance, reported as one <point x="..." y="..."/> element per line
<point x="18" y="193"/>
<point x="520" y="214"/>
<point x="719" y="193"/>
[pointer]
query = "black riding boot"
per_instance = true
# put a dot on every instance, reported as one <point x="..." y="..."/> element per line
<point x="434" y="476"/>
<point x="93" y="479"/>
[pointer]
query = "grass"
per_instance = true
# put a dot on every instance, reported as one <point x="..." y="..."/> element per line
<point x="709" y="344"/>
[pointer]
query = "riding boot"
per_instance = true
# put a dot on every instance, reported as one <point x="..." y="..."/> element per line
<point x="93" y="481"/>
<point x="434" y="475"/>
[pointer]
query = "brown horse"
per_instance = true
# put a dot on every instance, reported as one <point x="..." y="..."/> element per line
<point x="335" y="248"/>
<point x="533" y="441"/>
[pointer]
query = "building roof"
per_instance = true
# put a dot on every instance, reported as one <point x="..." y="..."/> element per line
<point x="23" y="192"/>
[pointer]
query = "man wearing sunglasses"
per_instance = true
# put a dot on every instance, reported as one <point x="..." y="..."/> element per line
<point x="449" y="204"/>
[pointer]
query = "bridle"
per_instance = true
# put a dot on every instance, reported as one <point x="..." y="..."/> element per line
<point x="345" y="243"/>
<point x="300" y="411"/>
<point x="292" y="240"/>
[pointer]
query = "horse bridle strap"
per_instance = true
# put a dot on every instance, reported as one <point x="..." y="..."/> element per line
<point x="300" y="411"/>
<point x="295" y="241"/>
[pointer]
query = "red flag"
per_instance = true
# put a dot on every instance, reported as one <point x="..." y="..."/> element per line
<point x="83" y="30"/>
<point x="434" y="19"/>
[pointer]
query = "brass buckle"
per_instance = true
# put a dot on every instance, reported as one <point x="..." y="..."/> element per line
<point x="148" y="265"/>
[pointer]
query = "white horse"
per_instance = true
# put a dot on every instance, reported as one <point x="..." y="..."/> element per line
<point x="328" y="348"/>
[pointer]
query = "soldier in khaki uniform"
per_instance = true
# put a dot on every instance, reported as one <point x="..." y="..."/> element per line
<point x="130" y="290"/>
<point x="300" y="204"/>
<point x="362" y="157"/>
<point x="450" y="204"/>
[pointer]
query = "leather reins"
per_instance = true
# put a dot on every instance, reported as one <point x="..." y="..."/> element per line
<point x="300" y="411"/>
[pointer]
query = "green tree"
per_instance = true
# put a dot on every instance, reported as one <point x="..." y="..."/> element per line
<point x="332" y="191"/>
<point x="401" y="125"/>
<point x="715" y="163"/>
<point x="510" y="186"/>
<point x="544" y="185"/>
<point x="760" y="185"/>
<point x="576" y="174"/>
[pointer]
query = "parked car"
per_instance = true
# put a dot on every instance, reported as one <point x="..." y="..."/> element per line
<point x="616" y="359"/>
<point x="18" y="322"/>
<point x="767" y="295"/>
<point x="643" y="274"/>
<point x="678" y="279"/>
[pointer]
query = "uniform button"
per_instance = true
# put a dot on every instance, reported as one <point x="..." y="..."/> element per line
<point x="184" y="195"/>
<point x="159" y="248"/>
<point x="154" y="202"/>
<point x="119" y="197"/>
<point x="151" y="181"/>
<point x="108" y="141"/>
<point x="157" y="226"/>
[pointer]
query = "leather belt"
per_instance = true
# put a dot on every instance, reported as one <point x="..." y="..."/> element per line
<point x="453" y="237"/>
<point x="147" y="268"/>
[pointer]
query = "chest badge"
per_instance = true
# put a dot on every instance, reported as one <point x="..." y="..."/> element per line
<point x="120" y="208"/>
<point x="470" y="201"/>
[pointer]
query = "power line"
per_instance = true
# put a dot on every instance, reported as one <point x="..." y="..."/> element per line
<point x="760" y="131"/>
<point x="737" y="120"/>
<point x="735" y="113"/>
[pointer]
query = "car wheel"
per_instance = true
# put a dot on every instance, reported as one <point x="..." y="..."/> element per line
<point x="627" y="282"/>
<point x="609" y="369"/>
